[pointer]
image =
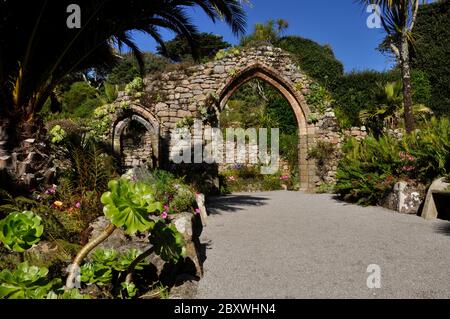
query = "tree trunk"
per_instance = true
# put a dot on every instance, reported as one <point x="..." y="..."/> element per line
<point x="23" y="159"/>
<point x="407" y="90"/>
<point x="71" y="281"/>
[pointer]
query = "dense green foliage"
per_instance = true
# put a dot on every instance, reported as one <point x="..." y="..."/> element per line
<point x="371" y="167"/>
<point x="358" y="91"/>
<point x="316" y="60"/>
<point x="80" y="101"/>
<point x="91" y="165"/>
<point x="432" y="52"/>
<point x="207" y="46"/>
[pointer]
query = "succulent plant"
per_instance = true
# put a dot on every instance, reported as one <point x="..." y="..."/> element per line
<point x="130" y="205"/>
<point x="20" y="231"/>
<point x="26" y="282"/>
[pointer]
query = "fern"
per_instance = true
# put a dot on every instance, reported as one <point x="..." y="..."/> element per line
<point x="92" y="167"/>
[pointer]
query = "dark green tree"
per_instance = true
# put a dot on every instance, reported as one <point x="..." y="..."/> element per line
<point x="431" y="52"/>
<point x="207" y="45"/>
<point x="316" y="60"/>
<point x="127" y="68"/>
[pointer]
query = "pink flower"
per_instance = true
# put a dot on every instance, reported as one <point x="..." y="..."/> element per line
<point x="78" y="205"/>
<point x="50" y="191"/>
<point x="166" y="207"/>
<point x="164" y="215"/>
<point x="284" y="178"/>
<point x="197" y="211"/>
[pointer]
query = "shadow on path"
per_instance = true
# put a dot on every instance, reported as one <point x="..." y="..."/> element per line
<point x="233" y="203"/>
<point x="443" y="229"/>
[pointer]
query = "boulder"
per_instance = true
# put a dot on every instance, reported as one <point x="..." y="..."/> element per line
<point x="437" y="193"/>
<point x="405" y="198"/>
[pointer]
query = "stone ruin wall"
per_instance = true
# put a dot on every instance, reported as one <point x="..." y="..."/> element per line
<point x="192" y="92"/>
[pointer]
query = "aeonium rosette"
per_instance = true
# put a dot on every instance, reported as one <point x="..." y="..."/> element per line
<point x="20" y="231"/>
<point x="130" y="205"/>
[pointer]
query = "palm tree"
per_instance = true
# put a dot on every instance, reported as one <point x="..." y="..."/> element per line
<point x="398" y="18"/>
<point x="38" y="50"/>
<point x="390" y="109"/>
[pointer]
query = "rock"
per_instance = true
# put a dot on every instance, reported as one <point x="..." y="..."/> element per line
<point x="200" y="199"/>
<point x="118" y="240"/>
<point x="185" y="287"/>
<point x="45" y="254"/>
<point x="430" y="209"/>
<point x="219" y="69"/>
<point x="188" y="225"/>
<point x="405" y="198"/>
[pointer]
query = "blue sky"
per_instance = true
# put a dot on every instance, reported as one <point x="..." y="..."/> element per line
<point x="339" y="23"/>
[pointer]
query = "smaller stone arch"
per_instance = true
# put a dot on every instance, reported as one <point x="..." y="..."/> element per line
<point x="138" y="114"/>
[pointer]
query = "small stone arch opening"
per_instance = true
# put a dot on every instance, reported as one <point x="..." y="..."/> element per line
<point x="136" y="142"/>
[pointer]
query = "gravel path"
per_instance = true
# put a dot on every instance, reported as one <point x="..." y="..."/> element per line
<point x="297" y="245"/>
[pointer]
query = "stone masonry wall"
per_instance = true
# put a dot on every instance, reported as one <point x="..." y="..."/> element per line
<point x="201" y="91"/>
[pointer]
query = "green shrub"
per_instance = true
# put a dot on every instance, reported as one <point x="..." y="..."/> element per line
<point x="91" y="166"/>
<point x="369" y="168"/>
<point x="289" y="150"/>
<point x="319" y="99"/>
<point x="20" y="231"/>
<point x="357" y="91"/>
<point x="430" y="148"/>
<point x="26" y="282"/>
<point x="366" y="172"/>
<point x="318" y="61"/>
<point x="171" y="191"/>
<point x="135" y="86"/>
<point x="80" y="101"/>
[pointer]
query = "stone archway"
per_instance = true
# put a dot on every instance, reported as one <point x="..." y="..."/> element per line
<point x="142" y="129"/>
<point x="296" y="101"/>
<point x="186" y="92"/>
